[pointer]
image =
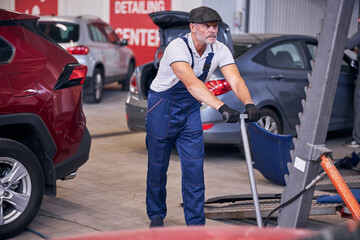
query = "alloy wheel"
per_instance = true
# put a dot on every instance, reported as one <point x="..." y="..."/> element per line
<point x="268" y="123"/>
<point x="15" y="189"/>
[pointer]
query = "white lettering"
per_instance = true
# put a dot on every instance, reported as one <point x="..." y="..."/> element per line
<point x="139" y="7"/>
<point x="151" y="39"/>
<point x="140" y="37"/>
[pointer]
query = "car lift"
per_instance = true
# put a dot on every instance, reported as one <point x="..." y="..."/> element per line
<point x="310" y="151"/>
<point x="314" y="121"/>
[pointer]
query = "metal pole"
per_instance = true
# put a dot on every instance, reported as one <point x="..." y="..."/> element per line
<point x="250" y="168"/>
<point x="247" y="14"/>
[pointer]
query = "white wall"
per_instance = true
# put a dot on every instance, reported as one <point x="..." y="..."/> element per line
<point x="99" y="8"/>
<point x="257" y="18"/>
<point x="7" y="4"/>
<point x="185" y="5"/>
<point x="226" y="11"/>
<point x="291" y="16"/>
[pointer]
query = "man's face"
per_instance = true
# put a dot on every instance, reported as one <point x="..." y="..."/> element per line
<point x="206" y="32"/>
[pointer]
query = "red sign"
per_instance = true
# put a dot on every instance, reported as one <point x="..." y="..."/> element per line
<point x="130" y="21"/>
<point x="37" y="7"/>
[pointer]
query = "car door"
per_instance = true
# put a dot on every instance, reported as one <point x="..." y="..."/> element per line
<point x="342" y="110"/>
<point x="109" y="57"/>
<point x="286" y="76"/>
<point x="121" y="65"/>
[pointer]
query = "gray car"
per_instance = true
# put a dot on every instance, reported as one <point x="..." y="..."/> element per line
<point x="95" y="44"/>
<point x="275" y="69"/>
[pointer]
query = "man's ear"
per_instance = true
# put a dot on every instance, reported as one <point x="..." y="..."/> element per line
<point x="192" y="27"/>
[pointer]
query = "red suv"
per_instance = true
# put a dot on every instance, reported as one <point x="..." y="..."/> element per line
<point x="43" y="134"/>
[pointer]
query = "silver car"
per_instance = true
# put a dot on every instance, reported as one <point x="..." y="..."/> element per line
<point x="94" y="43"/>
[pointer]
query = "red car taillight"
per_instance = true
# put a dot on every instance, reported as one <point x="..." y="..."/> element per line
<point x="218" y="87"/>
<point x="78" y="50"/>
<point x="206" y="126"/>
<point x="72" y="75"/>
<point x="133" y="85"/>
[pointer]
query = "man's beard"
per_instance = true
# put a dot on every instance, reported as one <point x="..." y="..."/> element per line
<point x="206" y="40"/>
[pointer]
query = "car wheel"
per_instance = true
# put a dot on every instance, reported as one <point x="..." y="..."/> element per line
<point x="270" y="121"/>
<point x="96" y="87"/>
<point x="126" y="82"/>
<point x="21" y="187"/>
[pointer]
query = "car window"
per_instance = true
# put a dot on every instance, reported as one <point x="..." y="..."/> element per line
<point x="345" y="67"/>
<point x="61" y="32"/>
<point x="6" y="51"/>
<point x="287" y="55"/>
<point x="111" y="35"/>
<point x="97" y="32"/>
<point x="240" y="48"/>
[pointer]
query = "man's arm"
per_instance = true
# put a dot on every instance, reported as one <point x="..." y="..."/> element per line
<point x="237" y="83"/>
<point x="194" y="85"/>
<point x="199" y="91"/>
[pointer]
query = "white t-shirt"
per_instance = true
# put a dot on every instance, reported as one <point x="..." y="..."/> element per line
<point x="177" y="51"/>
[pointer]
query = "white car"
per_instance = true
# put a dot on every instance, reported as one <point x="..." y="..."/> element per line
<point x="94" y="43"/>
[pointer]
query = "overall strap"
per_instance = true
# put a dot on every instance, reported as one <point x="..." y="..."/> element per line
<point x="207" y="63"/>
<point x="206" y="67"/>
<point x="191" y="54"/>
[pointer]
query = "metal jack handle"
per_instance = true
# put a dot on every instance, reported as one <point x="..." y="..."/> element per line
<point x="341" y="187"/>
<point x="249" y="164"/>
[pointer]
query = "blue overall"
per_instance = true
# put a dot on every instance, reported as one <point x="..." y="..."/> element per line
<point x="173" y="117"/>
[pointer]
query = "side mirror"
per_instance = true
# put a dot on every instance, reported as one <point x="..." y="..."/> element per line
<point x="123" y="42"/>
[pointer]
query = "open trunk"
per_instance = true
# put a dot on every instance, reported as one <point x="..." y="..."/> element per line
<point x="148" y="74"/>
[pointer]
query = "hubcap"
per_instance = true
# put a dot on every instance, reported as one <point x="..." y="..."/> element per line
<point x="268" y="123"/>
<point x="15" y="189"/>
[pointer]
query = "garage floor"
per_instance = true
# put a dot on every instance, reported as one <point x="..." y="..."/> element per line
<point x="109" y="192"/>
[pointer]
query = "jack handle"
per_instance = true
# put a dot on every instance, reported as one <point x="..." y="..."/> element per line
<point x="341" y="187"/>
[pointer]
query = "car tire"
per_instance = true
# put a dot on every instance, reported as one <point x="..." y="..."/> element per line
<point x="126" y="82"/>
<point x="96" y="87"/>
<point x="270" y="121"/>
<point x="26" y="189"/>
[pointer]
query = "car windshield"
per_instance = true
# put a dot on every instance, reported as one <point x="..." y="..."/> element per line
<point x="61" y="32"/>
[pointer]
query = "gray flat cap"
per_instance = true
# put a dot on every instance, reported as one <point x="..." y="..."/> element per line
<point x="203" y="15"/>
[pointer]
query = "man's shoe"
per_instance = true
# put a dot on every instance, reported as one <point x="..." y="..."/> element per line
<point x="157" y="222"/>
<point x="353" y="143"/>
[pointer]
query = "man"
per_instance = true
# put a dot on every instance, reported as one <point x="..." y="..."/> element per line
<point x="354" y="44"/>
<point x="173" y="115"/>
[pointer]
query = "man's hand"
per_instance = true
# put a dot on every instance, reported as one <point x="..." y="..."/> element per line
<point x="252" y="112"/>
<point x="229" y="114"/>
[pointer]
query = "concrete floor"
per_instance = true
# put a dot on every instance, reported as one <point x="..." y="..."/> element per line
<point x="109" y="192"/>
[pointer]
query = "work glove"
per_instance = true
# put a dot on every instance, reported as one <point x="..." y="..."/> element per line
<point x="252" y="112"/>
<point x="229" y="114"/>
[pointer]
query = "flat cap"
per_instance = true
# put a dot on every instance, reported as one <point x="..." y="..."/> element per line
<point x="203" y="15"/>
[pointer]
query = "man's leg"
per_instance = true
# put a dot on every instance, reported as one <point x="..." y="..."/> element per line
<point x="159" y="151"/>
<point x="190" y="146"/>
